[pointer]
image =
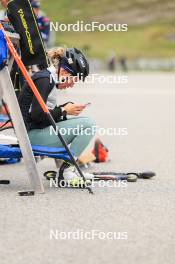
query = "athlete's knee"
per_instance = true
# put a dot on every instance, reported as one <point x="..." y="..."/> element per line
<point x="87" y="122"/>
<point x="89" y="126"/>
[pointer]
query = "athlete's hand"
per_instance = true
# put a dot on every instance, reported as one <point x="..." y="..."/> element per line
<point x="74" y="109"/>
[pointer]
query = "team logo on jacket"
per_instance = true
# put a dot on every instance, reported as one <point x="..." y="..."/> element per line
<point x="82" y="62"/>
<point x="70" y="61"/>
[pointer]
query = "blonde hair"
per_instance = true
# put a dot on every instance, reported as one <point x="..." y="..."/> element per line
<point x="54" y="54"/>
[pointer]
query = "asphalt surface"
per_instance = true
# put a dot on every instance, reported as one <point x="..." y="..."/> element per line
<point x="142" y="213"/>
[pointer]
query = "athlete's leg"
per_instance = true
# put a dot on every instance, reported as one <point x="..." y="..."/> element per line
<point x="77" y="132"/>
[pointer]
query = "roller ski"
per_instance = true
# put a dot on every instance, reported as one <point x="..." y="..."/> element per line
<point x="116" y="176"/>
<point x="130" y="176"/>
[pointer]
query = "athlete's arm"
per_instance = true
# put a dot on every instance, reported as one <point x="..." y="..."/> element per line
<point x="37" y="114"/>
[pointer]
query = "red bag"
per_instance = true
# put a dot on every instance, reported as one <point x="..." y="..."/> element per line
<point x="100" y="151"/>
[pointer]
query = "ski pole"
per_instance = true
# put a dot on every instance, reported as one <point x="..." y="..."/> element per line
<point x="41" y="102"/>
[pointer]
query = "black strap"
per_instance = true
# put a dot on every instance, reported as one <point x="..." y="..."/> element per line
<point x="2" y="128"/>
<point x="97" y="150"/>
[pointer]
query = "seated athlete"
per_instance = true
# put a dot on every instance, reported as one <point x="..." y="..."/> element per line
<point x="67" y="66"/>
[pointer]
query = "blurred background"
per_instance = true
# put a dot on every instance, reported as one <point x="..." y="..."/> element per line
<point x="148" y="44"/>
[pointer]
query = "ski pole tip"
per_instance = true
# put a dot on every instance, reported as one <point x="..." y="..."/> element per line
<point x="90" y="191"/>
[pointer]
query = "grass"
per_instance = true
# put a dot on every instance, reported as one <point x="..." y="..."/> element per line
<point x="70" y="11"/>
<point x="149" y="40"/>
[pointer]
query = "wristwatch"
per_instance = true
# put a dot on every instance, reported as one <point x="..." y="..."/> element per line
<point x="63" y="112"/>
